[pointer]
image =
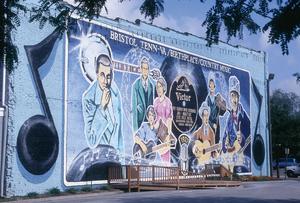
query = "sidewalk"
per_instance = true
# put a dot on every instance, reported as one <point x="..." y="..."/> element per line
<point x="287" y="191"/>
<point x="66" y="197"/>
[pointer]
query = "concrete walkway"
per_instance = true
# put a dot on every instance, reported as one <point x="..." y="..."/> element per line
<point x="265" y="192"/>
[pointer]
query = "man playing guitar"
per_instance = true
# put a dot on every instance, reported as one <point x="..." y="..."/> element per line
<point x="152" y="138"/>
<point x="237" y="132"/>
<point x="204" y="138"/>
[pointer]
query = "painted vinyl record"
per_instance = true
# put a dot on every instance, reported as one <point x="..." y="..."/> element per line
<point x="187" y="89"/>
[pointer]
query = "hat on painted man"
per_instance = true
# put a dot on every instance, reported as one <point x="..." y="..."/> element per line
<point x="203" y="107"/>
<point x="234" y="84"/>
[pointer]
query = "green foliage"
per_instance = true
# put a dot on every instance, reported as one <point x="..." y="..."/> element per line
<point x="152" y="8"/>
<point x="54" y="191"/>
<point x="283" y="20"/>
<point x="234" y="15"/>
<point x="32" y="194"/>
<point x="44" y="13"/>
<point x="285" y="118"/>
<point x="285" y="24"/>
<point x="297" y="75"/>
<point x="86" y="189"/>
<point x="71" y="191"/>
<point x="9" y="20"/>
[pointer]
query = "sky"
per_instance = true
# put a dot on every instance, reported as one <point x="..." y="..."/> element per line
<point x="188" y="15"/>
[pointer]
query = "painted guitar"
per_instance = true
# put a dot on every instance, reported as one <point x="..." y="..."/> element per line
<point x="236" y="157"/>
<point x="236" y="144"/>
<point x="237" y="149"/>
<point x="202" y="150"/>
<point x="148" y="150"/>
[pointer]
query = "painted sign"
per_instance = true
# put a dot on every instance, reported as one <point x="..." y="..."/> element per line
<point x="131" y="100"/>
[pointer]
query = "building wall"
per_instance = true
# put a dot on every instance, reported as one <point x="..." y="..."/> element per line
<point x="24" y="103"/>
<point x="24" y="100"/>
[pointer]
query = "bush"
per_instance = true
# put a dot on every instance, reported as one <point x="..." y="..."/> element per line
<point x="106" y="187"/>
<point x="71" y="191"/>
<point x="32" y="194"/>
<point x="54" y="191"/>
<point x="86" y="189"/>
<point x="236" y="176"/>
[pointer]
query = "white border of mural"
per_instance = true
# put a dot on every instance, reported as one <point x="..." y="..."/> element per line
<point x="66" y="183"/>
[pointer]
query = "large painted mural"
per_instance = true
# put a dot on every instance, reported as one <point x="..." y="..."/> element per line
<point x="131" y="100"/>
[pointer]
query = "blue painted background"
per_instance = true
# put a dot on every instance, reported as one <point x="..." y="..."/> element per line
<point x="23" y="101"/>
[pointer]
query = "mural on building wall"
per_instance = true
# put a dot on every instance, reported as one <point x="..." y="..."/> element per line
<point x="131" y="100"/>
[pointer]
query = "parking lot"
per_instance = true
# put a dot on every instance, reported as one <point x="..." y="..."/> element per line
<point x="281" y="174"/>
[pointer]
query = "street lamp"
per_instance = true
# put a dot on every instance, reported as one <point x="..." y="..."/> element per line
<point x="270" y="77"/>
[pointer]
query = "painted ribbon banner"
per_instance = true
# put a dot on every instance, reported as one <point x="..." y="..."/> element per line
<point x="131" y="100"/>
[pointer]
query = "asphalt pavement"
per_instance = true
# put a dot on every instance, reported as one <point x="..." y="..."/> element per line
<point x="264" y="192"/>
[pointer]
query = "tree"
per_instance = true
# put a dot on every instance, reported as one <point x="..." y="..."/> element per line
<point x="285" y="119"/>
<point x="282" y="20"/>
<point x="9" y="20"/>
<point x="297" y="75"/>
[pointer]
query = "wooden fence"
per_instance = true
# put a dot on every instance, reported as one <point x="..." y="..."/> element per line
<point x="140" y="176"/>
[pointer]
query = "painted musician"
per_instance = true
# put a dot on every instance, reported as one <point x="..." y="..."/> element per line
<point x="142" y="95"/>
<point x="238" y="123"/>
<point x="149" y="135"/>
<point x="216" y="104"/>
<point x="102" y="108"/>
<point x="162" y="104"/>
<point x="148" y="130"/>
<point x="204" y="134"/>
<point x="164" y="111"/>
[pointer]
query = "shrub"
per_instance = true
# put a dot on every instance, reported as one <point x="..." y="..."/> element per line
<point x="86" y="189"/>
<point x="71" y="190"/>
<point x="54" y="191"/>
<point x="32" y="194"/>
